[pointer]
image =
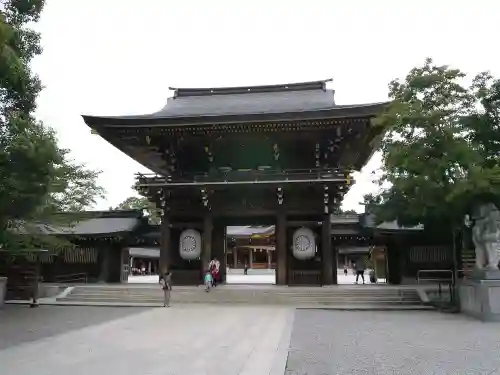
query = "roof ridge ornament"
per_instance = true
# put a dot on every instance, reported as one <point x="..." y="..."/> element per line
<point x="210" y="91"/>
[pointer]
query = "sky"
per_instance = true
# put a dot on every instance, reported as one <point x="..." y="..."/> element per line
<point x="118" y="57"/>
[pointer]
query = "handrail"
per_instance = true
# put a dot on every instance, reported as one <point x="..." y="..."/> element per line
<point x="451" y="279"/>
<point x="72" y="277"/>
<point x="449" y="282"/>
<point x="419" y="272"/>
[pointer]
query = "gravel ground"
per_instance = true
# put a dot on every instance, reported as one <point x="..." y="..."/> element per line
<point x="20" y="324"/>
<point x="381" y="343"/>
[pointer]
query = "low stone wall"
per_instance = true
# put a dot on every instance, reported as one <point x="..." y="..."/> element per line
<point x="3" y="290"/>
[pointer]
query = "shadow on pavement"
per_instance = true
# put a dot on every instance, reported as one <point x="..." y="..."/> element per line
<point x="20" y="324"/>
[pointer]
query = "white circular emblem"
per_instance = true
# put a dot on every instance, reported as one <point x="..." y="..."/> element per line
<point x="190" y="244"/>
<point x="304" y="244"/>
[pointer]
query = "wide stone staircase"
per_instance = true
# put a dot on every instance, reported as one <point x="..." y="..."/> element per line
<point x="342" y="297"/>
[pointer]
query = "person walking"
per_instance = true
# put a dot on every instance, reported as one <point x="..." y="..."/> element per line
<point x="166" y="286"/>
<point x="360" y="270"/>
<point x="214" y="267"/>
<point x="208" y="281"/>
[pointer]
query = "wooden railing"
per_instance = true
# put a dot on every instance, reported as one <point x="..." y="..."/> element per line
<point x="245" y="176"/>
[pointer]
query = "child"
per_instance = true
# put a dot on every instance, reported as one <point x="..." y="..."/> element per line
<point x="345" y="269"/>
<point x="208" y="280"/>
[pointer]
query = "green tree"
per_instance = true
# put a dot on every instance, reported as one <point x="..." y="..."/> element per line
<point x="141" y="203"/>
<point x="348" y="212"/>
<point x="440" y="153"/>
<point x="37" y="177"/>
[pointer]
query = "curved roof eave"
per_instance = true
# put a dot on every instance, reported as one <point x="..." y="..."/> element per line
<point x="337" y="111"/>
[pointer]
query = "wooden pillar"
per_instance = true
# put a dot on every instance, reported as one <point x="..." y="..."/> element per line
<point x="219" y="248"/>
<point x="268" y="259"/>
<point x="104" y="260"/>
<point x="327" y="256"/>
<point x="165" y="244"/>
<point x="235" y="257"/>
<point x="281" y="250"/>
<point x="207" y="242"/>
<point x="36" y="282"/>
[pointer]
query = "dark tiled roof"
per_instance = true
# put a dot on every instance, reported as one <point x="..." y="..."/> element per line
<point x="192" y="105"/>
<point x="248" y="231"/>
<point x="144" y="252"/>
<point x="91" y="223"/>
<point x="310" y="96"/>
<point x="368" y="221"/>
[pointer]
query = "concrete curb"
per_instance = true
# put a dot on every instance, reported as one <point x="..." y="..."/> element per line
<point x="368" y="308"/>
<point x="281" y="358"/>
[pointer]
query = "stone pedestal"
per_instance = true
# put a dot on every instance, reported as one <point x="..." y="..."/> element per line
<point x="3" y="290"/>
<point x="480" y="296"/>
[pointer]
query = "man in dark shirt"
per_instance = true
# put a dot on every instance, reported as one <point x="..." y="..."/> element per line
<point x="360" y="270"/>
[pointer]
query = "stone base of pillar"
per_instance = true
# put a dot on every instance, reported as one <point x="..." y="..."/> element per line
<point x="480" y="299"/>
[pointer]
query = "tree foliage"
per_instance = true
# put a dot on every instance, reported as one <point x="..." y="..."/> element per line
<point x="441" y="150"/>
<point x="37" y="177"/>
<point x="348" y="212"/>
<point x="141" y="203"/>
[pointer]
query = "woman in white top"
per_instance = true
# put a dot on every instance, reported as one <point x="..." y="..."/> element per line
<point x="166" y="286"/>
<point x="214" y="267"/>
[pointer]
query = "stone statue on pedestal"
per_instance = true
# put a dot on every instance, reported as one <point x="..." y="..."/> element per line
<point x="486" y="237"/>
<point x="479" y="295"/>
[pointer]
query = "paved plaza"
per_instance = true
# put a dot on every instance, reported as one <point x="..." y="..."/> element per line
<point x="167" y="341"/>
<point x="200" y="340"/>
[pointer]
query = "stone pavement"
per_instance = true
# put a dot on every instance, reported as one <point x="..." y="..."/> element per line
<point x="168" y="341"/>
<point x="227" y="340"/>
<point x="400" y="343"/>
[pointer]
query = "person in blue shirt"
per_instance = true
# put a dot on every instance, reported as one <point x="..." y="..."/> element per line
<point x="208" y="280"/>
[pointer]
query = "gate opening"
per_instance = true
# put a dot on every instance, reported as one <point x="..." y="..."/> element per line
<point x="251" y="254"/>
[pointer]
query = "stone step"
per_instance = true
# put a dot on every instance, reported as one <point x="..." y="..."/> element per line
<point x="292" y="296"/>
<point x="325" y="291"/>
<point x="213" y="299"/>
<point x="216" y="291"/>
<point x="241" y="301"/>
<point x="216" y="297"/>
<point x="248" y="295"/>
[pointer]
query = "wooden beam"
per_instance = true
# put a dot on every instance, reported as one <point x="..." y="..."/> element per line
<point x="207" y="241"/>
<point x="327" y="260"/>
<point x="281" y="249"/>
<point x="304" y="223"/>
<point x="165" y="244"/>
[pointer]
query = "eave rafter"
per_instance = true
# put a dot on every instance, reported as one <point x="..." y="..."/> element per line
<point x="260" y="127"/>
